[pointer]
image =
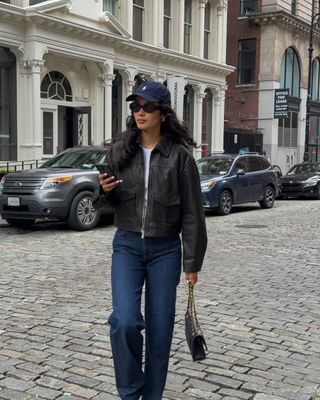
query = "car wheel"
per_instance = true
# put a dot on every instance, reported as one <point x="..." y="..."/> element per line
<point x="20" y="223"/>
<point x="82" y="214"/>
<point x="317" y="192"/>
<point x="225" y="203"/>
<point x="268" y="198"/>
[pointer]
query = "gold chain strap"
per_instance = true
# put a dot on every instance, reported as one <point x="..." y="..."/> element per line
<point x="192" y="310"/>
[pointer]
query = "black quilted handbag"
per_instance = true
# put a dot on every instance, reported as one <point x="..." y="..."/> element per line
<point x="194" y="336"/>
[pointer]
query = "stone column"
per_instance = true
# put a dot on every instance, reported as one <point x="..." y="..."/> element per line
<point x="218" y="120"/>
<point x="157" y="23"/>
<point x="199" y="95"/>
<point x="107" y="84"/>
<point x="32" y="130"/>
<point x="159" y="76"/>
<point x="222" y="30"/>
<point x="129" y="16"/>
<point x="202" y="4"/>
<point x="129" y="74"/>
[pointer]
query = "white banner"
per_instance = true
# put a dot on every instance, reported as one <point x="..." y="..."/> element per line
<point x="176" y="86"/>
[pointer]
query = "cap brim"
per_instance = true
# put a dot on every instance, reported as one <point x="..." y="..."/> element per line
<point x="143" y="96"/>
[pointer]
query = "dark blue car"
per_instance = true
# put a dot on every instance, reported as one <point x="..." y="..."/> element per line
<point x="228" y="179"/>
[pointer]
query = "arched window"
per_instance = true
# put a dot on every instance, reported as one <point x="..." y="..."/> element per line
<point x="290" y="72"/>
<point x="188" y="109"/>
<point x="315" y="92"/>
<point x="206" y="141"/>
<point x="116" y="103"/>
<point x="55" y="86"/>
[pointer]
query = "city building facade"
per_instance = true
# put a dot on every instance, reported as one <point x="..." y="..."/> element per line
<point x="66" y="67"/>
<point x="268" y="43"/>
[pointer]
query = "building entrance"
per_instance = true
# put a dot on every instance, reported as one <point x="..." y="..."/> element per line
<point x="74" y="127"/>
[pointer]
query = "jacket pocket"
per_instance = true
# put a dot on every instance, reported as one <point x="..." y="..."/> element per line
<point x="126" y="203"/>
<point x="166" y="208"/>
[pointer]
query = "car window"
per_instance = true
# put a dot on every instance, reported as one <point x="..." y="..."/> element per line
<point x="302" y="169"/>
<point x="253" y="164"/>
<point x="265" y="163"/>
<point x="239" y="164"/>
<point x="75" y="159"/>
<point x="214" y="165"/>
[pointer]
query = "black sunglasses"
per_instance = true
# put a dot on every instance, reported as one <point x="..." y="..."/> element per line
<point x="147" y="107"/>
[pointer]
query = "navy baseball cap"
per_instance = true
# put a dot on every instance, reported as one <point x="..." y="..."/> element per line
<point x="152" y="91"/>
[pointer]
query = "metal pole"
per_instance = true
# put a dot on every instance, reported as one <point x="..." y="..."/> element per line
<point x="310" y="52"/>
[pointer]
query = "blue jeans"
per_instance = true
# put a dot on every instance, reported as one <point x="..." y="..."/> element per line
<point x="155" y="261"/>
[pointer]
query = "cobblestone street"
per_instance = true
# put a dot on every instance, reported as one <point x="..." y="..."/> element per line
<point x="257" y="302"/>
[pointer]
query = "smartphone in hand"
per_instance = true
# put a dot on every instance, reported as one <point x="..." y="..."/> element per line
<point x="105" y="168"/>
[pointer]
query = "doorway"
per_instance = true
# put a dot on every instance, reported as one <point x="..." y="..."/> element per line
<point x="74" y="127"/>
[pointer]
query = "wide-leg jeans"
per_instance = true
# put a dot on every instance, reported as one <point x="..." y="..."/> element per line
<point x="155" y="262"/>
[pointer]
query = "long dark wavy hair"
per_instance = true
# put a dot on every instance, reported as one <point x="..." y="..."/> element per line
<point x="170" y="128"/>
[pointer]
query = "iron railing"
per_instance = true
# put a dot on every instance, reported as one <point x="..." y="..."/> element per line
<point x="13" y="166"/>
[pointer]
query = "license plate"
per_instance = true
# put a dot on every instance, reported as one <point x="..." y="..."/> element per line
<point x="14" y="201"/>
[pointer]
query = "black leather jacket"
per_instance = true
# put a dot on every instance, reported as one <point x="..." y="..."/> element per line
<point x="174" y="199"/>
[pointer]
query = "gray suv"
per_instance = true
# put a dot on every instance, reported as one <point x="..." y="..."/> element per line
<point x="63" y="188"/>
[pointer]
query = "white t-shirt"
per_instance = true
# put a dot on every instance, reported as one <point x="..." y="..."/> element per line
<point x="146" y="158"/>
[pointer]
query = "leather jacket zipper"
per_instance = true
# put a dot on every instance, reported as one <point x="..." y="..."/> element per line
<point x="144" y="210"/>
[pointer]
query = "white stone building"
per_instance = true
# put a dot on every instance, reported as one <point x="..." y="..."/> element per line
<point x="66" y="67"/>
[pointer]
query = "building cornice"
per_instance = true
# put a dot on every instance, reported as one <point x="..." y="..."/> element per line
<point x="285" y="19"/>
<point x="119" y="41"/>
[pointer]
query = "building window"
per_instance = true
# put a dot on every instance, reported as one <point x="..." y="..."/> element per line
<point x="288" y="131"/>
<point x="110" y="6"/>
<point x="166" y="23"/>
<point x="138" y="17"/>
<point x="206" y="31"/>
<point x="290" y="72"/>
<point x="55" y="86"/>
<point x="8" y="105"/>
<point x="293" y="7"/>
<point x="246" y="61"/>
<point x="47" y="132"/>
<point x="248" y="7"/>
<point x="315" y="93"/>
<point x="187" y="26"/>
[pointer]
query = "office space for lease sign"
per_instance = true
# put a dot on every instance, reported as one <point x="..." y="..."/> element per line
<point x="281" y="105"/>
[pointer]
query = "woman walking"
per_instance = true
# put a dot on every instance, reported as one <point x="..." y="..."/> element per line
<point x="155" y="189"/>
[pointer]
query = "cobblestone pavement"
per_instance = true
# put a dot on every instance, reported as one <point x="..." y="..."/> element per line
<point x="257" y="300"/>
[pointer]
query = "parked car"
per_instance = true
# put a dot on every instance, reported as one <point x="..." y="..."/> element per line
<point x="63" y="188"/>
<point x="228" y="179"/>
<point x="302" y="180"/>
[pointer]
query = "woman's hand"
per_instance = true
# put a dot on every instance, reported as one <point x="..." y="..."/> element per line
<point x="107" y="182"/>
<point x="192" y="277"/>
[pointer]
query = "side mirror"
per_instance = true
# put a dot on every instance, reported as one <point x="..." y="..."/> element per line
<point x="277" y="170"/>
<point x="241" y="172"/>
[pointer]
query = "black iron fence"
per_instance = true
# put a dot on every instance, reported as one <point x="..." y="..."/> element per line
<point x="14" y="166"/>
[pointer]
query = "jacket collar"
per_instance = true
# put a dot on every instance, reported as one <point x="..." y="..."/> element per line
<point x="164" y="145"/>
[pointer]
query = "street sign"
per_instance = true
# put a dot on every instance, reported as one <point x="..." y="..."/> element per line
<point x="281" y="106"/>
